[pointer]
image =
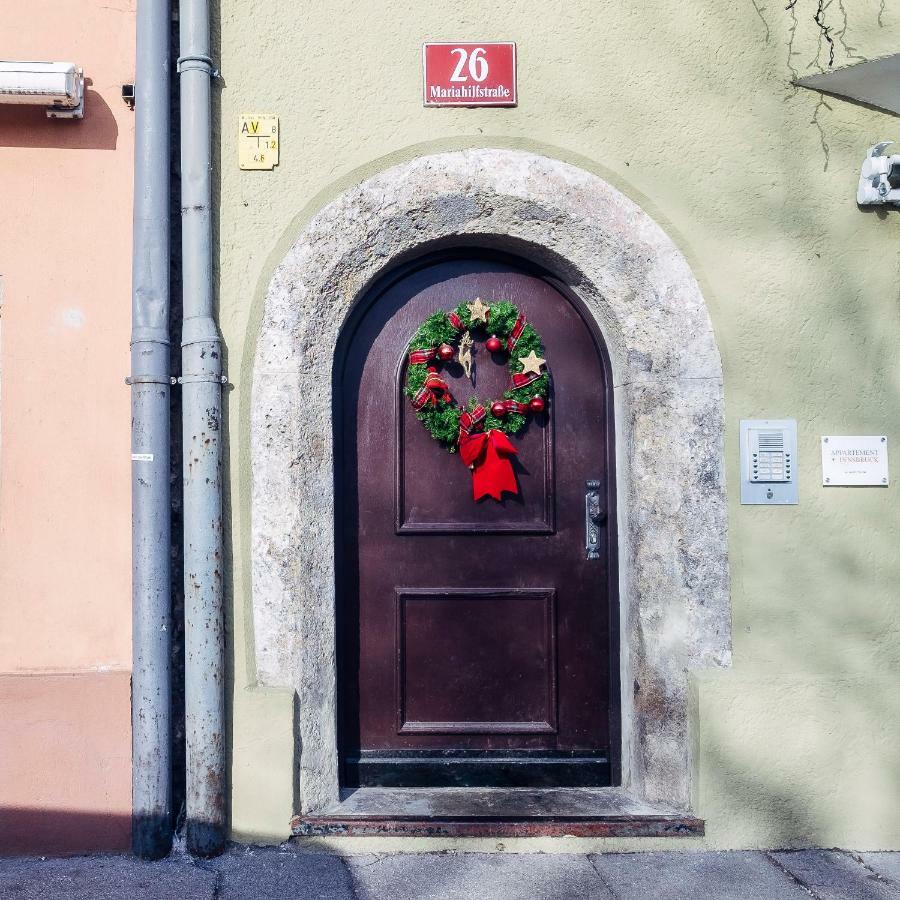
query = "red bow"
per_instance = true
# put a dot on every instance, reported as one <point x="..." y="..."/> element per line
<point x="488" y="456"/>
<point x="434" y="388"/>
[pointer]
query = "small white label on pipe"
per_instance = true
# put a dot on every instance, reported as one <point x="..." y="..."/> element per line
<point x="142" y="457"/>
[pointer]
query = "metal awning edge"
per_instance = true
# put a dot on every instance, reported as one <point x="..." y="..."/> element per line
<point x="875" y="82"/>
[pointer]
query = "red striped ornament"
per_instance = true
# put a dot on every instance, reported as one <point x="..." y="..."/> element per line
<point x="515" y="334"/>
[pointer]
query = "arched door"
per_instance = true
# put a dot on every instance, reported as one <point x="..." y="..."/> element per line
<point x="477" y="642"/>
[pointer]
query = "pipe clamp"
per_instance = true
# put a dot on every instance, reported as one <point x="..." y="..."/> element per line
<point x="149" y="379"/>
<point x="198" y="63"/>
<point x="190" y="379"/>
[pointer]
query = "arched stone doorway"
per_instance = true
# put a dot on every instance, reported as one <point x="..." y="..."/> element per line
<point x="667" y="382"/>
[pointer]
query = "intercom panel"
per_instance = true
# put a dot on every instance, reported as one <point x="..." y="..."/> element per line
<point x="769" y="461"/>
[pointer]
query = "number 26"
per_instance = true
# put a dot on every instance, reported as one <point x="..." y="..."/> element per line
<point x="478" y="66"/>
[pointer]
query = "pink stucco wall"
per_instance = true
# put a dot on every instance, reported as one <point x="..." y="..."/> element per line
<point x="65" y="266"/>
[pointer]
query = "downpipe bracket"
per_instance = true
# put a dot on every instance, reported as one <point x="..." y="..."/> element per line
<point x="149" y="379"/>
<point x="191" y="379"/>
<point x="197" y="63"/>
<point x="132" y="380"/>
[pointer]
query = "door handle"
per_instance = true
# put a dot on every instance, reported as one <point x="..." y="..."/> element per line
<point x="593" y="518"/>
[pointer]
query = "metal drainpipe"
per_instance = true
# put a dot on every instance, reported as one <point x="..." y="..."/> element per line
<point x="202" y="405"/>
<point x="151" y="685"/>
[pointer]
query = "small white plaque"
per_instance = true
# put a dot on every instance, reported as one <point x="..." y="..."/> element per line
<point x="854" y="460"/>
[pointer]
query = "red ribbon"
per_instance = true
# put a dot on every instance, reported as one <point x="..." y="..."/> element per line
<point x="455" y="321"/>
<point x="471" y="420"/>
<point x="488" y="456"/>
<point x="520" y="379"/>
<point x="419" y="357"/>
<point x="434" y="388"/>
<point x="516" y="333"/>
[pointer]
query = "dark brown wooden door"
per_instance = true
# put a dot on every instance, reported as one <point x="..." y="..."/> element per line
<point x="477" y="643"/>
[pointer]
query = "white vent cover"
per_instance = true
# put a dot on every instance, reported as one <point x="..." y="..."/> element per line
<point x="57" y="85"/>
<point x="769" y="461"/>
<point x="770" y="440"/>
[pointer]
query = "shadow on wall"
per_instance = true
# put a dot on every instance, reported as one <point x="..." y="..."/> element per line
<point x="54" y="832"/>
<point x="810" y="759"/>
<point x="28" y="126"/>
<point x="807" y="756"/>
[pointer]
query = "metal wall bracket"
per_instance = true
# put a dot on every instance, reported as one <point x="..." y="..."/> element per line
<point x="198" y="63"/>
<point x="149" y="379"/>
<point x="219" y="379"/>
<point x="68" y="112"/>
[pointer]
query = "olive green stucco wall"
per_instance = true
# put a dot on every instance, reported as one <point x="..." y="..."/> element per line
<point x="686" y="107"/>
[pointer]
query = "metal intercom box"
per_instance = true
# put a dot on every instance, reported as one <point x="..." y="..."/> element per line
<point x="769" y="461"/>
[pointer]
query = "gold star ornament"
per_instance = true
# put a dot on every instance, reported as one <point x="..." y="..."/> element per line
<point x="532" y="363"/>
<point x="478" y="311"/>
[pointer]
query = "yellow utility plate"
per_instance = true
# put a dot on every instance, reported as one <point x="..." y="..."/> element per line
<point x="258" y="141"/>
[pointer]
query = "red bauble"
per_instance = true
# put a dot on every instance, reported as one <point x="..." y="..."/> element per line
<point x="446" y="352"/>
<point x="536" y="404"/>
<point x="498" y="409"/>
<point x="493" y="343"/>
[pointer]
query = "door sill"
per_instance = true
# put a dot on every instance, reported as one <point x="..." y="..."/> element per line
<point x="495" y="812"/>
<point x="476" y="769"/>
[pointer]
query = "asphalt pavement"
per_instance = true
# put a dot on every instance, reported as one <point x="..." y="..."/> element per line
<point x="289" y="873"/>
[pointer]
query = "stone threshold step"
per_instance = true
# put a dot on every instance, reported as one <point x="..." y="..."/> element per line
<point x="496" y="812"/>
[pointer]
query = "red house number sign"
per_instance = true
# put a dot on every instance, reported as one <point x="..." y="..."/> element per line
<point x="482" y="74"/>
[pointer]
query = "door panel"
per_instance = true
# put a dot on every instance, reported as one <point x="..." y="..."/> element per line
<point x="508" y="642"/>
<point x="473" y="631"/>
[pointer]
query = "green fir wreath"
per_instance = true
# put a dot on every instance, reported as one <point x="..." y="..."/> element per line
<point x="437" y="340"/>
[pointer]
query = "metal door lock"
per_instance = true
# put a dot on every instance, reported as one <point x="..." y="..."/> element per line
<point x="593" y="519"/>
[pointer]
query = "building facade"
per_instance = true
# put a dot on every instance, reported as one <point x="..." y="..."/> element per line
<point x="65" y="545"/>
<point x="660" y="164"/>
<point x="676" y="221"/>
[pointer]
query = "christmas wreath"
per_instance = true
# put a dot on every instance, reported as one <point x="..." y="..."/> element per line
<point x="479" y="431"/>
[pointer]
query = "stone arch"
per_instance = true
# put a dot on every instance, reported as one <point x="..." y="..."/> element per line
<point x="672" y="519"/>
